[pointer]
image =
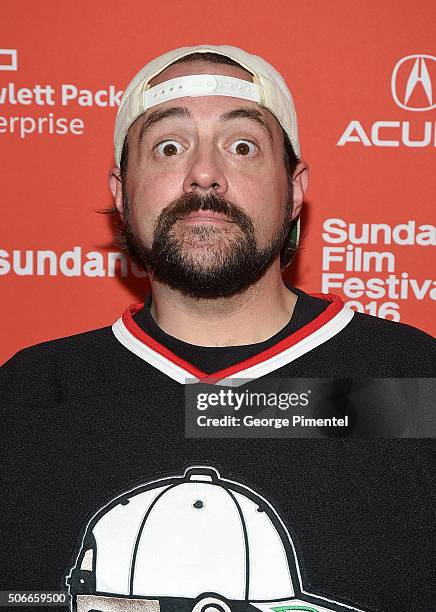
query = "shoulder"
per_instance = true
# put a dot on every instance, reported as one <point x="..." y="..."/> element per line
<point x="400" y="349"/>
<point x="369" y="346"/>
<point x="368" y="327"/>
<point x="61" y="348"/>
<point x="392" y="330"/>
<point x="45" y="371"/>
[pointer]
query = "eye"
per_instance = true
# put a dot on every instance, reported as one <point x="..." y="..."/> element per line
<point x="243" y="147"/>
<point x="167" y="148"/>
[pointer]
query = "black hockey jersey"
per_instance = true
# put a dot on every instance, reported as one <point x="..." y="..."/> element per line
<point x="103" y="492"/>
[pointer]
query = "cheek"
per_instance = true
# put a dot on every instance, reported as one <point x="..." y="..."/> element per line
<point x="263" y="196"/>
<point x="148" y="196"/>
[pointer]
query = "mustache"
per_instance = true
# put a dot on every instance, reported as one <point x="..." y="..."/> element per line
<point x="193" y="202"/>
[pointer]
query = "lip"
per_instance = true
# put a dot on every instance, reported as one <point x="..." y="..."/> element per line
<point x="205" y="216"/>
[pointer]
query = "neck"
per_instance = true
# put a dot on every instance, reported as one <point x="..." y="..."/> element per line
<point x="247" y="318"/>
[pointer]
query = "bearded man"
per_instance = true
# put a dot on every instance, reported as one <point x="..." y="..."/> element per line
<point x="209" y="185"/>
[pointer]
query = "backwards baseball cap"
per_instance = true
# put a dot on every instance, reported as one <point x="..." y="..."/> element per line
<point x="268" y="89"/>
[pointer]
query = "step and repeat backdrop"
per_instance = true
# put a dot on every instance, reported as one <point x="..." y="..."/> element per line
<point x="363" y="76"/>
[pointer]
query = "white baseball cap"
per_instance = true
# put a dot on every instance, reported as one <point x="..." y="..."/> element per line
<point x="195" y="542"/>
<point x="268" y="89"/>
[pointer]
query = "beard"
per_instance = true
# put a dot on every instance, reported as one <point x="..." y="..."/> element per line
<point x="205" y="260"/>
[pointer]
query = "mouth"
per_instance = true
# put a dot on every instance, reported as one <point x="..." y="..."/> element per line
<point x="205" y="217"/>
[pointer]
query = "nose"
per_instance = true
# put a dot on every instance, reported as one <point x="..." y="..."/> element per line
<point x="205" y="172"/>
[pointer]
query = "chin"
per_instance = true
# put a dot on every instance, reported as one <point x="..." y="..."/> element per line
<point x="211" y="249"/>
<point x="206" y="260"/>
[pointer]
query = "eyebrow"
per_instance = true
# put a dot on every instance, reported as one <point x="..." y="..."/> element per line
<point x="248" y="113"/>
<point x="159" y="115"/>
<point x="182" y="112"/>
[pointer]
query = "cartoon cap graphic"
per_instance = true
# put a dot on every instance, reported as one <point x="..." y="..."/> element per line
<point x="191" y="543"/>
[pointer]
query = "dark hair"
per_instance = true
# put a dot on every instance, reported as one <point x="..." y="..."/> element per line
<point x="290" y="158"/>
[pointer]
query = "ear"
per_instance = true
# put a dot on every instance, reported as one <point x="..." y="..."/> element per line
<point x="300" y="181"/>
<point x="115" y="185"/>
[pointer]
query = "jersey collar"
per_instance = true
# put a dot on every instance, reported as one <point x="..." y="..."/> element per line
<point x="326" y="325"/>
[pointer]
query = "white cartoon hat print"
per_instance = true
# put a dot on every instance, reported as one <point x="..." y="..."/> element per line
<point x="195" y="542"/>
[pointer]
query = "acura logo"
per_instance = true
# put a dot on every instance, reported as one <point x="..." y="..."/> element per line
<point x="411" y="82"/>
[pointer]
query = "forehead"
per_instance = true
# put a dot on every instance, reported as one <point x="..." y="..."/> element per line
<point x="208" y="106"/>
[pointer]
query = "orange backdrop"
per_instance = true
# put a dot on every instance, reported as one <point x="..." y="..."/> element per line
<point x="361" y="74"/>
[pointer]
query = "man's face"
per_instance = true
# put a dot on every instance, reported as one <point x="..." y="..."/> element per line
<point x="206" y="200"/>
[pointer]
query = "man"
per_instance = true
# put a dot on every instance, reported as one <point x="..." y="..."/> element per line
<point x="209" y="185"/>
<point x="209" y="188"/>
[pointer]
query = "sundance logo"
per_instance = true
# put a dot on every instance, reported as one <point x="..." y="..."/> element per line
<point x="413" y="81"/>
